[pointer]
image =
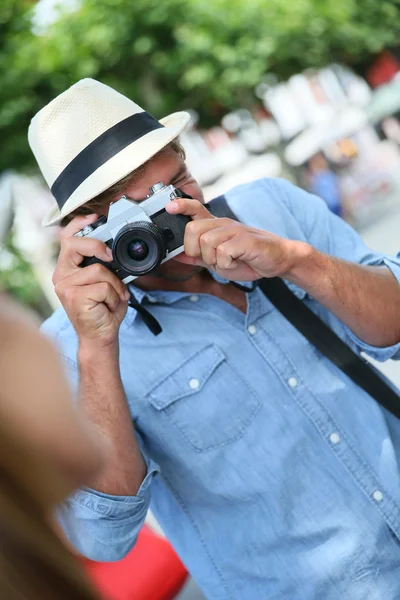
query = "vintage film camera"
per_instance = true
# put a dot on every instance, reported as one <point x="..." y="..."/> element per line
<point x="141" y="235"/>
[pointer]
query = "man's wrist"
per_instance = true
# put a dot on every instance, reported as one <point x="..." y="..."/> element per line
<point x="90" y="352"/>
<point x="309" y="269"/>
<point x="99" y="368"/>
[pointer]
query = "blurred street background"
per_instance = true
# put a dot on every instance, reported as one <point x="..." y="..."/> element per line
<point x="308" y="91"/>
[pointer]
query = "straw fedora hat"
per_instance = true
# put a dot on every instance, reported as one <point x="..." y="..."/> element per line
<point x="89" y="137"/>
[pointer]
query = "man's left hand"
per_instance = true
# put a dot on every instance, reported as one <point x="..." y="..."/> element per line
<point x="233" y="250"/>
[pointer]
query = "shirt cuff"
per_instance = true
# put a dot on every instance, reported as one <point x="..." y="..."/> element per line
<point x="116" y="506"/>
<point x="394" y="265"/>
<point x="379" y="354"/>
<point x="104" y="527"/>
<point x="388" y="352"/>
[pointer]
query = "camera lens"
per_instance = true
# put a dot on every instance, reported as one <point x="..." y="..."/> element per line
<point x="139" y="247"/>
<point x="137" y="250"/>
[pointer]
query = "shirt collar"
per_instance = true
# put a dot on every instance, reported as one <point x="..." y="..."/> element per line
<point x="164" y="297"/>
<point x="150" y="297"/>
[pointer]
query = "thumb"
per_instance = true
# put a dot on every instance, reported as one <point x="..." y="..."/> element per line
<point x="191" y="208"/>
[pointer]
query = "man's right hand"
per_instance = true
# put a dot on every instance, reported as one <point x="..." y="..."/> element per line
<point x="94" y="299"/>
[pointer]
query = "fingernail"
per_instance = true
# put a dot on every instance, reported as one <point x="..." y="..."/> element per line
<point x="108" y="252"/>
<point x="127" y="295"/>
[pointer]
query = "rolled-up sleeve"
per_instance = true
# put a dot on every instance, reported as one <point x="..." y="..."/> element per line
<point x="387" y="352"/>
<point x="103" y="527"/>
<point x="330" y="234"/>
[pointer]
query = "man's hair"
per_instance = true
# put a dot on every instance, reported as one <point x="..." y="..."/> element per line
<point x="105" y="197"/>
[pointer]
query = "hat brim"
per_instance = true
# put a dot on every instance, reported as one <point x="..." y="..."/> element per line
<point x="120" y="165"/>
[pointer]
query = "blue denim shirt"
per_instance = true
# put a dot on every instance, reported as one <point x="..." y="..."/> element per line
<point x="271" y="473"/>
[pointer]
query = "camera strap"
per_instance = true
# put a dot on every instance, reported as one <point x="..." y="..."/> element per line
<point x="319" y="334"/>
<point x="147" y="318"/>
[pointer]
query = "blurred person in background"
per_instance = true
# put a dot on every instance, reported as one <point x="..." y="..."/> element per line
<point x="271" y="472"/>
<point x="47" y="450"/>
<point x="323" y="182"/>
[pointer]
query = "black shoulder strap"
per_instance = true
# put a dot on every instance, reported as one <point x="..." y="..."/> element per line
<point x="318" y="333"/>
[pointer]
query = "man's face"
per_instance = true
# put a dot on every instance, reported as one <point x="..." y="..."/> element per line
<point x="170" y="168"/>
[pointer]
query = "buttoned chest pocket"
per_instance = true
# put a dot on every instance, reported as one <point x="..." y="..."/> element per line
<point x="206" y="400"/>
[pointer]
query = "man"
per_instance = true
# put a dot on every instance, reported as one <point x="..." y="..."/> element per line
<point x="323" y="182"/>
<point x="273" y="475"/>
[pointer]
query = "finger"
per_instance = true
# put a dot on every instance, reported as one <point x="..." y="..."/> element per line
<point x="232" y="250"/>
<point x="77" y="224"/>
<point x="211" y="241"/>
<point x="207" y="251"/>
<point x="189" y="260"/>
<point x="102" y="292"/>
<point x="73" y="251"/>
<point x="195" y="230"/>
<point x="190" y="208"/>
<point x="92" y="274"/>
<point x="224" y="259"/>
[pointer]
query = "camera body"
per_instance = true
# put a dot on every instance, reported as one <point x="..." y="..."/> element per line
<point x="141" y="235"/>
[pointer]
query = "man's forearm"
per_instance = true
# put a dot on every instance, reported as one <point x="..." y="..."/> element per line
<point x="104" y="402"/>
<point x="366" y="299"/>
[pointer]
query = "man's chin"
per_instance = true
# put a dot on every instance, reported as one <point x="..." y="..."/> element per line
<point x="172" y="270"/>
<point x="178" y="268"/>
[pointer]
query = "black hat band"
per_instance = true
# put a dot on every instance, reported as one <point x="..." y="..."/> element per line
<point x="98" y="152"/>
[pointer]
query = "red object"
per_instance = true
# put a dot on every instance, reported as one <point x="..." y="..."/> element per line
<point x="383" y="69"/>
<point x="151" y="571"/>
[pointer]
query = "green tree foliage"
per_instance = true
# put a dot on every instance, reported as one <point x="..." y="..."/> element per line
<point x="18" y="279"/>
<point x="175" y="54"/>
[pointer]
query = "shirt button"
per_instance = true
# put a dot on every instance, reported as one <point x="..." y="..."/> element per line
<point x="194" y="298"/>
<point x="334" y="438"/>
<point x="377" y="496"/>
<point x="194" y="384"/>
<point x="252" y="329"/>
<point x="292" y="382"/>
